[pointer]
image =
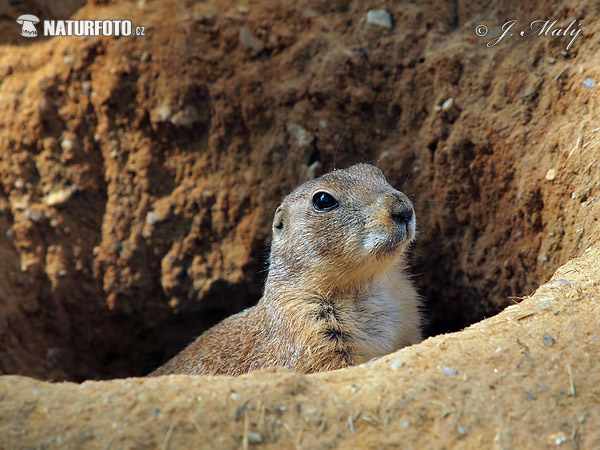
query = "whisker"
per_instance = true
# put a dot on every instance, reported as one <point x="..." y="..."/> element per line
<point x="405" y="180"/>
<point x="337" y="147"/>
<point x="391" y="282"/>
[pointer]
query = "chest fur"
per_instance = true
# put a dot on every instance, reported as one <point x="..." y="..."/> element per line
<point x="375" y="321"/>
<point x="387" y="316"/>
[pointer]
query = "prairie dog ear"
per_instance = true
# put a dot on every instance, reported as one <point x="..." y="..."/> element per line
<point x="280" y="220"/>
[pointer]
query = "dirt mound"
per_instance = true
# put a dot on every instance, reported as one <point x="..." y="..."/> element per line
<point x="521" y="379"/>
<point x="139" y="175"/>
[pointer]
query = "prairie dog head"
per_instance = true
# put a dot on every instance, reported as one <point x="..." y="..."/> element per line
<point x="339" y="230"/>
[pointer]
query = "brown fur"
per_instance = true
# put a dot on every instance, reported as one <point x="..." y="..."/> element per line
<point x="336" y="293"/>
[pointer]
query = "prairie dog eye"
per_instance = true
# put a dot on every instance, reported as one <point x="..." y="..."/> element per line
<point x="323" y="201"/>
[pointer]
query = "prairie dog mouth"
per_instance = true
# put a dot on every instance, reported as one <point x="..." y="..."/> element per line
<point x="383" y="243"/>
<point x="401" y="238"/>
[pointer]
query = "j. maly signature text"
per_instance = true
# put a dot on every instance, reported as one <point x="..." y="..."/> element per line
<point x="541" y="28"/>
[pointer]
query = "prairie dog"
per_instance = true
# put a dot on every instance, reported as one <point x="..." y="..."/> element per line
<point x="336" y="293"/>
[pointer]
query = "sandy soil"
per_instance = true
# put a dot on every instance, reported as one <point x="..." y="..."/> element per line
<point x="526" y="378"/>
<point x="138" y="178"/>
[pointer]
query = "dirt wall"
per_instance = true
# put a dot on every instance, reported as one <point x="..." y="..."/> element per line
<point x="139" y="175"/>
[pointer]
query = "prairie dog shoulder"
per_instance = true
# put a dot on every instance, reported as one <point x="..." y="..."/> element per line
<point x="336" y="294"/>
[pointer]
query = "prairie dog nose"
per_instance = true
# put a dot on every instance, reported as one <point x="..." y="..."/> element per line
<point x="403" y="213"/>
<point x="401" y="209"/>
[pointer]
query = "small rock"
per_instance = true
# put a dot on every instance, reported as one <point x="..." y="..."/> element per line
<point x="155" y="411"/>
<point x="186" y="117"/>
<point x="404" y="423"/>
<point x="588" y="83"/>
<point x="547" y="340"/>
<point x="462" y="430"/>
<point x="254" y="438"/>
<point x="68" y="144"/>
<point x="379" y="17"/>
<point x="248" y="40"/>
<point x="396" y="364"/>
<point x="448" y="104"/>
<point x="151" y="218"/>
<point x="163" y="113"/>
<point x="551" y="174"/>
<point x="550" y="59"/>
<point x="300" y="134"/>
<point x="448" y="370"/>
<point x="34" y="216"/>
<point x="545" y="304"/>
<point x="86" y="87"/>
<point x="530" y="396"/>
<point x="557" y="438"/>
<point x="59" y="196"/>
